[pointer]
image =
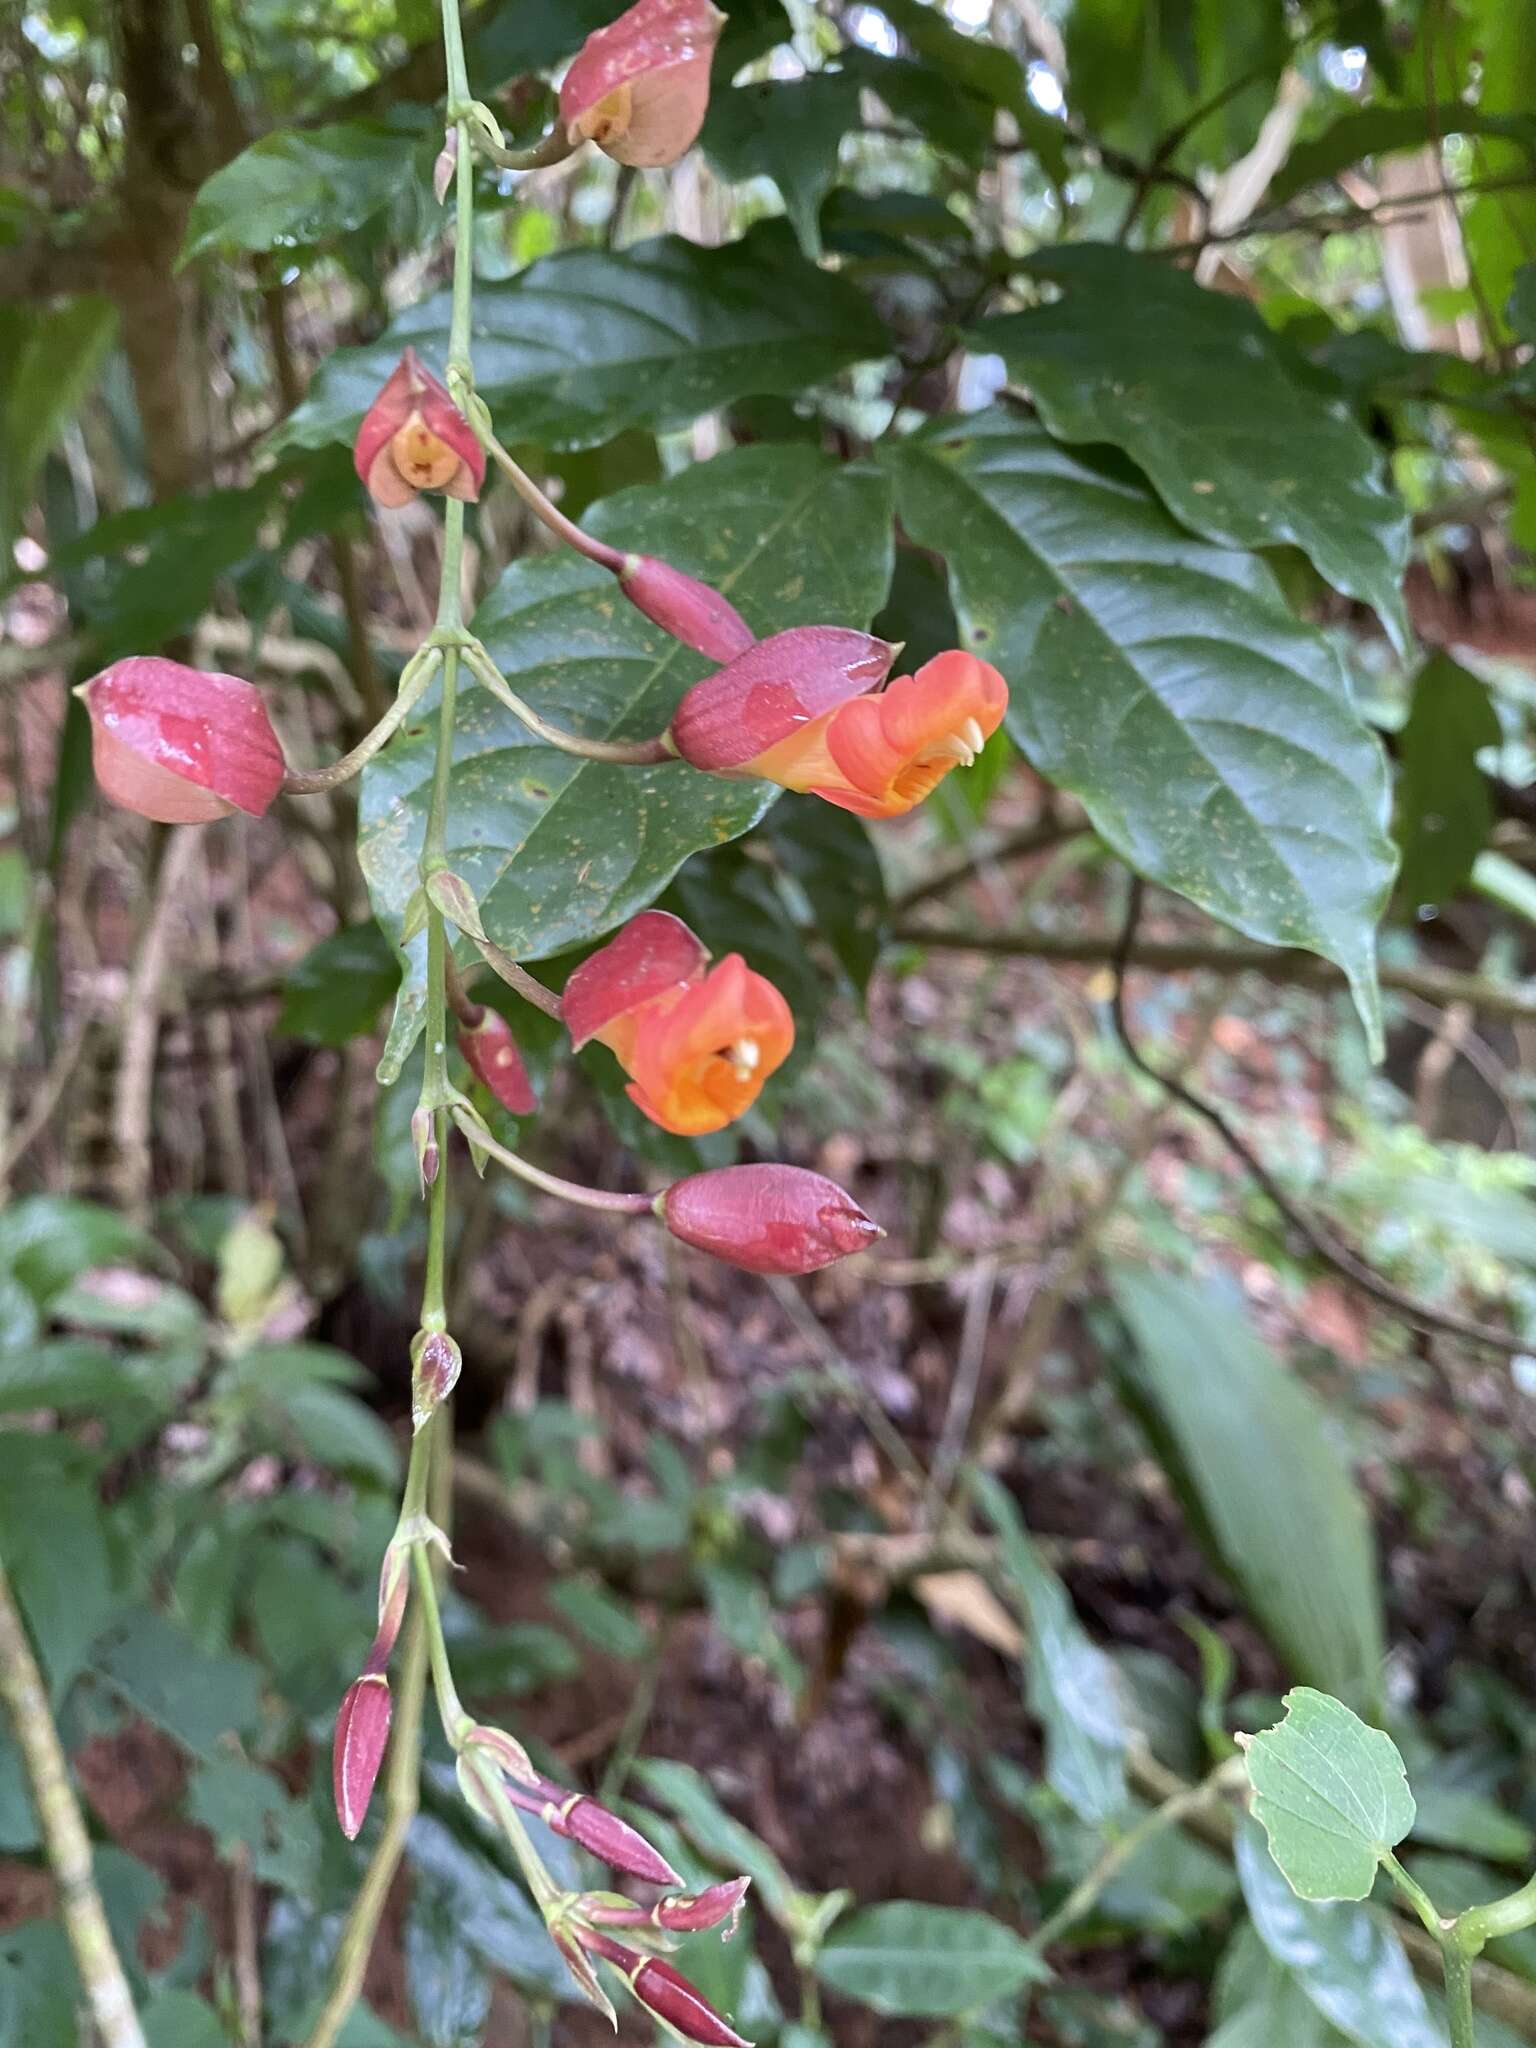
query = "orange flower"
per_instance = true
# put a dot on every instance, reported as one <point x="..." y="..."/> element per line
<point x="880" y="754"/>
<point x="697" y="1047"/>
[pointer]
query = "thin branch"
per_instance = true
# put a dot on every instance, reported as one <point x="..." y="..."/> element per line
<point x="141" y="1020"/>
<point x="1440" y="985"/>
<point x="1321" y="1241"/>
<point x="65" y="1841"/>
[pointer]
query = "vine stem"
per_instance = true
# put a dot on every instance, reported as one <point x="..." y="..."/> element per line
<point x="551" y="1183"/>
<point x="314" y="782"/>
<point x="65" y="1841"/>
<point x="627" y="753"/>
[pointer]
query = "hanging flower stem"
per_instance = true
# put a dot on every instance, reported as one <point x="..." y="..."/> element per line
<point x="550" y="1183"/>
<point x="625" y="753"/>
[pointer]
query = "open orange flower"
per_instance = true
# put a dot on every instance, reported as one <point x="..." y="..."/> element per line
<point x="414" y="438"/>
<point x="697" y="1046"/>
<point x="882" y="753"/>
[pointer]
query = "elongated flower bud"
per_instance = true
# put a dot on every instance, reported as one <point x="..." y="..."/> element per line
<point x="362" y="1734"/>
<point x="680" y="1914"/>
<point x="414" y="438"/>
<point x="181" y="745"/>
<point x="767" y="694"/>
<point x="582" y="1820"/>
<point x="768" y="1218"/>
<point x="436" y="1362"/>
<point x="639" y="88"/>
<point x="492" y="1054"/>
<point x="680" y="2005"/>
<point x="687" y="609"/>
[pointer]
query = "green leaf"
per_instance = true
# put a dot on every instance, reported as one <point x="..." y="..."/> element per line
<point x="1203" y="397"/>
<point x="1251" y="1452"/>
<point x="180" y="2019"/>
<point x="161" y="1673"/>
<point x="970" y="65"/>
<point x="301" y="186"/>
<point x="1444" y="812"/>
<point x="490" y="1915"/>
<point x="927" y="1962"/>
<point x="54" y="1541"/>
<point x="49" y="356"/>
<point x="558" y="850"/>
<point x="735" y="1850"/>
<point x="601" y="1617"/>
<point x="49" y="1240"/>
<point x="789" y="130"/>
<point x="337" y="990"/>
<point x="1378" y="131"/>
<point x="1210" y="736"/>
<point x="245" y="1807"/>
<point x="1331" y="1794"/>
<point x="1259" y="2004"/>
<point x="588" y="342"/>
<point x="1072" y="1686"/>
<point x="1347" y="1959"/>
<point x="450" y="1990"/>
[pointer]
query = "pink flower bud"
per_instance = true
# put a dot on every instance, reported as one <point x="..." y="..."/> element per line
<point x="436" y="1362"/>
<point x="767" y="1219"/>
<point x="362" y="1732"/>
<point x="765" y="695"/>
<point x="394" y="1591"/>
<point x="492" y="1054"/>
<point x="181" y="745"/>
<point x="654" y="953"/>
<point x="681" y="1914"/>
<point x="414" y="438"/>
<point x="582" y="1820"/>
<point x="668" y="1994"/>
<point x="639" y="88"/>
<point x="687" y="609"/>
<point x="507" y="1751"/>
<point x="444" y="166"/>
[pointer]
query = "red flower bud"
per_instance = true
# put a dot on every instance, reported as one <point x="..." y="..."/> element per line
<point x="767" y="1219"/>
<point x="414" y="438"/>
<point x="680" y="1914"/>
<point x="653" y="954"/>
<point x="362" y="1731"/>
<point x="768" y="693"/>
<point x="181" y="745"/>
<point x="687" y="609"/>
<point x="582" y="1820"/>
<point x="668" y="1994"/>
<point x="493" y="1057"/>
<point x="436" y="1362"/>
<point x="639" y="88"/>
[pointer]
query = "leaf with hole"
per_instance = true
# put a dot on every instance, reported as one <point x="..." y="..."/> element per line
<point x="1331" y="1795"/>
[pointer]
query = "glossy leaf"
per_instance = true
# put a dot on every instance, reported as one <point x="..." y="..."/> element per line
<point x="300" y="186"/>
<point x="1223" y="1413"/>
<point x="1346" y="1958"/>
<point x="558" y="850"/>
<point x="789" y="130"/>
<point x="1331" y="1795"/>
<point x="1071" y="1685"/>
<point x="916" y="1961"/>
<point x="490" y="1915"/>
<point x="449" y="1988"/>
<point x="1259" y="2004"/>
<point x="335" y="993"/>
<point x="586" y="343"/>
<point x="1444" y="810"/>
<point x="1211" y="736"/>
<point x="1204" y="398"/>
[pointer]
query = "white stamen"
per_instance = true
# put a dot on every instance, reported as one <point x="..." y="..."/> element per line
<point x="744" y="1056"/>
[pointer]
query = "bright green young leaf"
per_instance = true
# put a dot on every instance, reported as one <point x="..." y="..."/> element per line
<point x="586" y="343"/>
<point x="1210" y="735"/>
<point x="1331" y="1794"/>
<point x="1250" y="1451"/>
<point x="1346" y="1959"/>
<point x="1072" y="1686"/>
<point x="298" y="187"/>
<point x="1378" y="131"/>
<point x="926" y="1962"/>
<point x="789" y="130"/>
<point x="1202" y="396"/>
<point x="558" y="850"/>
<point x="1444" y="811"/>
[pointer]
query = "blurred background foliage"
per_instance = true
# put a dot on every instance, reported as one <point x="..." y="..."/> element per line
<point x="929" y="1593"/>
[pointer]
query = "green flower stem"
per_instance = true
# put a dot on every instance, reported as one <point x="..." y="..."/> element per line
<point x="627" y="753"/>
<point x="547" y="513"/>
<point x="1482" y="1924"/>
<point x="545" y="1891"/>
<point x="1455" y="1952"/>
<point x="456" y="1723"/>
<point x="551" y="1184"/>
<point x="419" y="671"/>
